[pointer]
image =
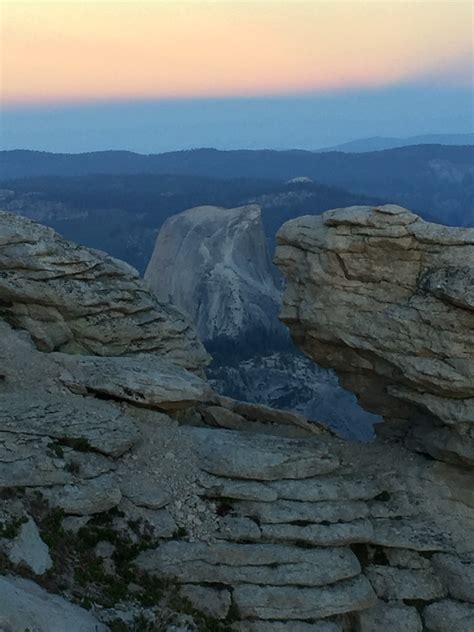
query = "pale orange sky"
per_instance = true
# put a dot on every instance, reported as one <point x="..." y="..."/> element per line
<point x="80" y="51"/>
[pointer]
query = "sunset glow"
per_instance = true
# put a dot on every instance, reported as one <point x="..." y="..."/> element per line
<point x="79" y="51"/>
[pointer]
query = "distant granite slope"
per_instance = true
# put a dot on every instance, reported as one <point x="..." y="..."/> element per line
<point x="387" y="300"/>
<point x="291" y="381"/>
<point x="212" y="263"/>
<point x="78" y="300"/>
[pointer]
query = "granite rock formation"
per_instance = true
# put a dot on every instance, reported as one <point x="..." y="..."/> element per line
<point x="26" y="606"/>
<point x="212" y="263"/>
<point x="129" y="489"/>
<point x="387" y="300"/>
<point x="77" y="300"/>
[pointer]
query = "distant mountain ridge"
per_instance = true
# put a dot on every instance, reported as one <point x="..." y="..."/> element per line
<point x="436" y="181"/>
<point x="378" y="143"/>
<point x="243" y="163"/>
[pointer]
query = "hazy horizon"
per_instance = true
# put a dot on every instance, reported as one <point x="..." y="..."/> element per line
<point x="162" y="76"/>
<point x="291" y="122"/>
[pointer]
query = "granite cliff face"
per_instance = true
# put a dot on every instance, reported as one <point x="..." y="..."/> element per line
<point x="212" y="263"/>
<point x="134" y="498"/>
<point x="387" y="300"/>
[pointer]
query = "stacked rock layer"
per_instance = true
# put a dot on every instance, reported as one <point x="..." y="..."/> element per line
<point x="387" y="299"/>
<point x="132" y="495"/>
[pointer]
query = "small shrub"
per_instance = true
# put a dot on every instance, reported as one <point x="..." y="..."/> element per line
<point x="10" y="530"/>
<point x="180" y="532"/>
<point x="80" y="444"/>
<point x="73" y="468"/>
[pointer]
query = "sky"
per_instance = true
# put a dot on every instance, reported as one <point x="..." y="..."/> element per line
<point x="157" y="76"/>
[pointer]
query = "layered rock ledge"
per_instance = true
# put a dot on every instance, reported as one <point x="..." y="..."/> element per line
<point x="133" y="498"/>
<point x="387" y="300"/>
<point x="81" y="301"/>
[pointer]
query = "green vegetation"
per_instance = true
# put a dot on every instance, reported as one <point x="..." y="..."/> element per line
<point x="73" y="468"/>
<point x="140" y="624"/>
<point x="180" y="533"/>
<point x="56" y="450"/>
<point x="10" y="530"/>
<point x="80" y="444"/>
<point x="88" y="578"/>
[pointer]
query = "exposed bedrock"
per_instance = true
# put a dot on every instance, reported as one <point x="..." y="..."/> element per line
<point x="213" y="264"/>
<point x="387" y="300"/>
<point x="82" y="301"/>
<point x="127" y="487"/>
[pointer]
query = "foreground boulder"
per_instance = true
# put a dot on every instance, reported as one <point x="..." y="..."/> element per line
<point x="78" y="300"/>
<point x="25" y="606"/>
<point x="387" y="300"/>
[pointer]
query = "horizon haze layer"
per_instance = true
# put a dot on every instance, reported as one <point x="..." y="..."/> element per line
<point x="292" y="122"/>
<point x="154" y="77"/>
